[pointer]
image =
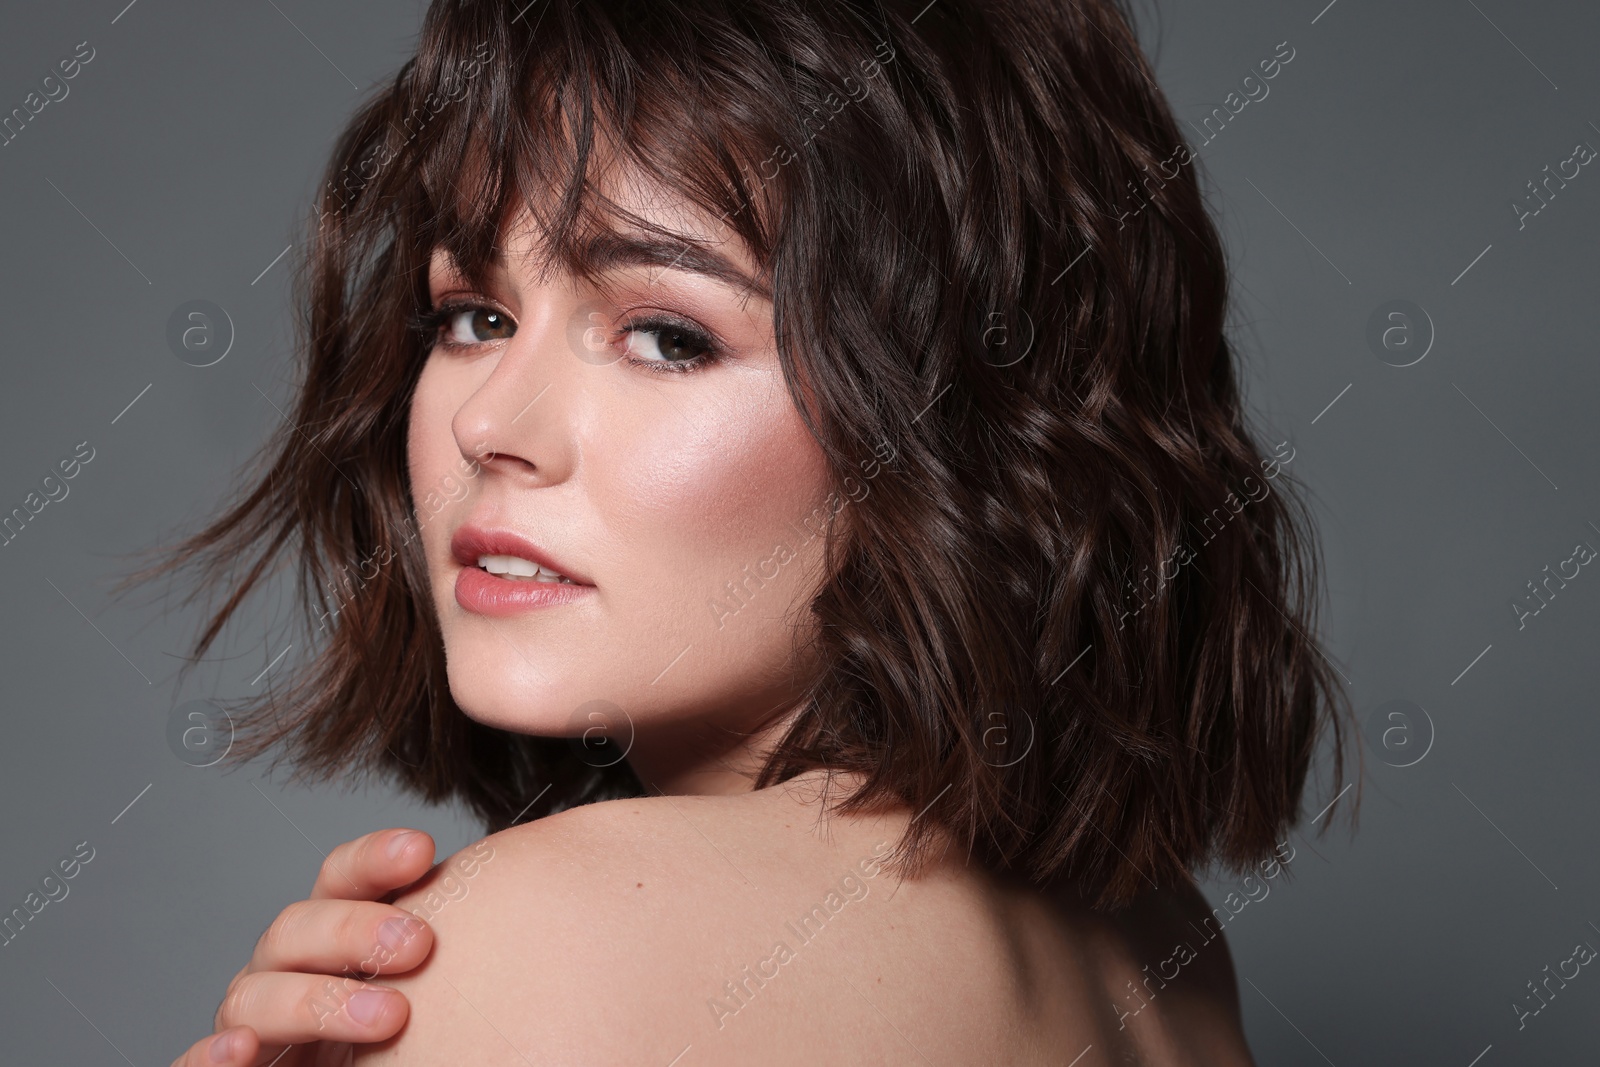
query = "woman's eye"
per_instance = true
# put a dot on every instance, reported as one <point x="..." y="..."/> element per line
<point x="662" y="342"/>
<point x="461" y="325"/>
<point x="476" y="325"/>
<point x="656" y="342"/>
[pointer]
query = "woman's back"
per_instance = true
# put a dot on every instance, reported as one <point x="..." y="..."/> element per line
<point x="734" y="930"/>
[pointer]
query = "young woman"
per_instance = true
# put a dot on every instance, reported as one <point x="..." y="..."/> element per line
<point x="780" y="464"/>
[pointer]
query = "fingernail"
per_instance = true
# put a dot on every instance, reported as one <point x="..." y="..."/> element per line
<point x="398" y="843"/>
<point x="392" y="933"/>
<point x="225" y="1046"/>
<point x="366" y="1005"/>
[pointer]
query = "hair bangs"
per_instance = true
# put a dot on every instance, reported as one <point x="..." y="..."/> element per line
<point x="586" y="104"/>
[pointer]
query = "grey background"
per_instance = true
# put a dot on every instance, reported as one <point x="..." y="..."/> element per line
<point x="1381" y="166"/>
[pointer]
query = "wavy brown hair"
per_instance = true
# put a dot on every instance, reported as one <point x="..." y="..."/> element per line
<point x="1060" y="623"/>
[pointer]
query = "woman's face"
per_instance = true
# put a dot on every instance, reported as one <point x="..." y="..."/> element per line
<point x="676" y="487"/>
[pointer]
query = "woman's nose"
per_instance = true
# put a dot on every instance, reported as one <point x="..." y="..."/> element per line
<point x="522" y="418"/>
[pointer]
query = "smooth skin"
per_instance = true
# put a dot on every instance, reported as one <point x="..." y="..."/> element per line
<point x="282" y="997"/>
<point x="660" y="900"/>
<point x="646" y="931"/>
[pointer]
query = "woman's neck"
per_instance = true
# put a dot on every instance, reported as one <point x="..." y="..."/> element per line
<point x="705" y="757"/>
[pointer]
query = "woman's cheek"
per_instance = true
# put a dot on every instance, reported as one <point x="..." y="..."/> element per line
<point x="429" y="428"/>
<point x="433" y="461"/>
<point x="746" y="471"/>
<point x="715" y="489"/>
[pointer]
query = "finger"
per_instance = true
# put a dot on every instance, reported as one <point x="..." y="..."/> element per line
<point x="236" y="1047"/>
<point x="291" y="1009"/>
<point x="373" y="864"/>
<point x="328" y="936"/>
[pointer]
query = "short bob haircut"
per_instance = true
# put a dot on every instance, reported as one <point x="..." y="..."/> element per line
<point x="1069" y="619"/>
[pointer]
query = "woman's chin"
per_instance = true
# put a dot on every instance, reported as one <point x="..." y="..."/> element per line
<point x="490" y="701"/>
<point x="524" y="706"/>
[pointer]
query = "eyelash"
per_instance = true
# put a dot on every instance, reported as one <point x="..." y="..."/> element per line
<point x="430" y="323"/>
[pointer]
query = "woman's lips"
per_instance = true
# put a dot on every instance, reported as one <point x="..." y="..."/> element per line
<point x="472" y="542"/>
<point x="483" y="593"/>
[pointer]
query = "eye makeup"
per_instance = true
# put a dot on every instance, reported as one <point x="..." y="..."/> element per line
<point x="680" y="345"/>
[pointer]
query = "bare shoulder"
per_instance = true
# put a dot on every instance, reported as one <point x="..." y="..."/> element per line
<point x="732" y="930"/>
<point x="563" y="940"/>
<point x="1173" y="980"/>
<point x="630" y="931"/>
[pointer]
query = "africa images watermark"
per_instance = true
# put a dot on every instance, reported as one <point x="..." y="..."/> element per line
<point x="468" y="863"/>
<point x="52" y="889"/>
<point x="1183" y="953"/>
<point x="55" y="90"/>
<point x="1582" y="953"/>
<point x="870" y="68"/>
<point x="452" y="88"/>
<point x="1271" y="468"/>
<point x="1233" y="103"/>
<point x="1536" y="201"/>
<point x="1527" y="607"/>
<point x="1210" y="129"/>
<point x="344" y="588"/>
<point x="852" y="886"/>
<point x="55" y="490"/>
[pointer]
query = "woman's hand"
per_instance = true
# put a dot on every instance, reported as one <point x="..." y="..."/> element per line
<point x="304" y="984"/>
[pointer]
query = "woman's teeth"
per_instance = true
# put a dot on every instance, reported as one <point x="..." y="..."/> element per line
<point x="520" y="569"/>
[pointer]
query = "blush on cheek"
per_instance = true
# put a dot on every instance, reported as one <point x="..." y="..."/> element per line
<point x="724" y="492"/>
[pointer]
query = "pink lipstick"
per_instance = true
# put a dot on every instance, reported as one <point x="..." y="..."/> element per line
<point x="503" y="573"/>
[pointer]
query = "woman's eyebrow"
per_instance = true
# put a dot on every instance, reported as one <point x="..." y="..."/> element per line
<point x="611" y="249"/>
